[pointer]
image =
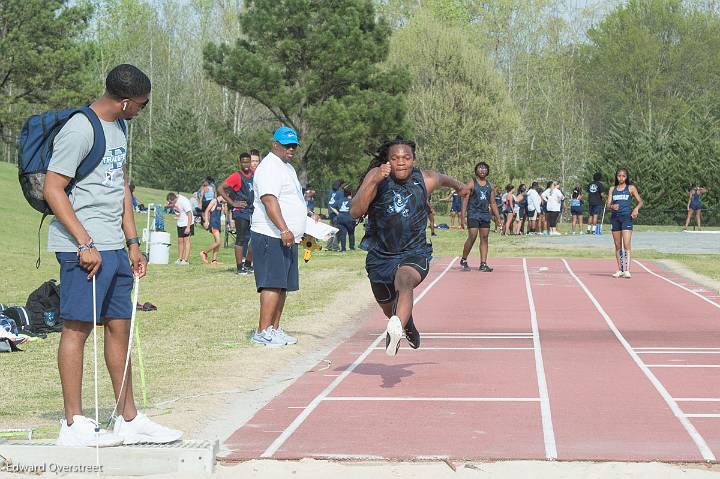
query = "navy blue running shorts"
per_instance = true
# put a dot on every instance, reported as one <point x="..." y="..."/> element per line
<point x="113" y="286"/>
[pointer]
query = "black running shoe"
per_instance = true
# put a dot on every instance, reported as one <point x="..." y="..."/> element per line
<point x="412" y="334"/>
<point x="485" y="268"/>
<point x="464" y="265"/>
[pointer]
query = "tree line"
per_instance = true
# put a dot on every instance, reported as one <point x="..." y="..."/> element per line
<point x="540" y="89"/>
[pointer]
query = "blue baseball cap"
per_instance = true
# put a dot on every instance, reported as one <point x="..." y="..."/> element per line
<point x="285" y="135"/>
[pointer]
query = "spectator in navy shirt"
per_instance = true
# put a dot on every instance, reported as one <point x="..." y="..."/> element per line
<point x="345" y="222"/>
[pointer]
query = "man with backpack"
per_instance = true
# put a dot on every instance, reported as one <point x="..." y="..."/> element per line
<point x="93" y="224"/>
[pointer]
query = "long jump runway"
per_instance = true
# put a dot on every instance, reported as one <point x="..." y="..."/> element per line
<point x="541" y="359"/>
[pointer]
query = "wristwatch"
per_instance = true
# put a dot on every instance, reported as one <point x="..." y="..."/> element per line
<point x="132" y="241"/>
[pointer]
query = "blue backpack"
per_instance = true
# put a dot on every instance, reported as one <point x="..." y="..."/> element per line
<point x="35" y="148"/>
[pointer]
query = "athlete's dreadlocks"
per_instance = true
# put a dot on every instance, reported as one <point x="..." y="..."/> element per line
<point x="381" y="155"/>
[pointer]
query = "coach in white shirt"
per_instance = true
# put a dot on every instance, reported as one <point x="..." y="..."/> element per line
<point x="278" y="225"/>
<point x="554" y="198"/>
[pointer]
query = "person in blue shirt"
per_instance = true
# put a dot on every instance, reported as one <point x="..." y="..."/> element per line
<point x="393" y="194"/>
<point x="694" y="205"/>
<point x="576" y="209"/>
<point x="619" y="201"/>
<point x="477" y="206"/>
<point x="455" y="208"/>
<point x="345" y="222"/>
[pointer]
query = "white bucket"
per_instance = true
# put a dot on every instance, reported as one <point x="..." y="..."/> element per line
<point x="159" y="247"/>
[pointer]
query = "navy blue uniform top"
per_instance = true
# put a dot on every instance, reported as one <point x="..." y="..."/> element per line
<point x="479" y="204"/>
<point x="576" y="203"/>
<point x="624" y="199"/>
<point x="334" y="200"/>
<point x="343" y="207"/>
<point x="216" y="216"/>
<point x="595" y="189"/>
<point x="241" y="187"/>
<point x="456" y="202"/>
<point x="397" y="218"/>
<point x="695" y="202"/>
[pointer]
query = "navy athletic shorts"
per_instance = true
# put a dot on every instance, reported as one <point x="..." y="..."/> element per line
<point x="621" y="222"/>
<point x="113" y="285"/>
<point x="276" y="266"/>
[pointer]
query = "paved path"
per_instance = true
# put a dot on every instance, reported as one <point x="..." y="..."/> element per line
<point x="663" y="242"/>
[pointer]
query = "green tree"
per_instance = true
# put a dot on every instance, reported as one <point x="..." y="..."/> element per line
<point x="183" y="155"/>
<point x="314" y="66"/>
<point x="43" y="58"/>
<point x="457" y="104"/>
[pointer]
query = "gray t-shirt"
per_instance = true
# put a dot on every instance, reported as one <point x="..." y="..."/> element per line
<point x="98" y="198"/>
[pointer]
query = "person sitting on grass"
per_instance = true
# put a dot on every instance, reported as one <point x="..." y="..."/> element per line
<point x="212" y="221"/>
<point x="393" y="194"/>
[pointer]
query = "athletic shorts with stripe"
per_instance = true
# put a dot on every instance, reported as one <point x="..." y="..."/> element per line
<point x="385" y="292"/>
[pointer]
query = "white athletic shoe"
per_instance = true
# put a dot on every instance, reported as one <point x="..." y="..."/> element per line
<point x="81" y="433"/>
<point x="617" y="274"/>
<point x="626" y="274"/>
<point x="142" y="430"/>
<point x="268" y="337"/>
<point x="285" y="336"/>
<point x="393" y="334"/>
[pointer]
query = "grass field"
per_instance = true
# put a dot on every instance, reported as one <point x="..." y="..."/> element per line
<point x="205" y="313"/>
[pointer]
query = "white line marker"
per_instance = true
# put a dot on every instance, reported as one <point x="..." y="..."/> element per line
<point x="427" y="336"/>
<point x="280" y="440"/>
<point x="694" y="434"/>
<point x="697" y="399"/>
<point x="465" y="349"/>
<point x="678" y="352"/>
<point x="441" y="399"/>
<point x="702" y="415"/>
<point x="676" y="349"/>
<point x="678" y="285"/>
<point x="548" y="432"/>
<point x="683" y="365"/>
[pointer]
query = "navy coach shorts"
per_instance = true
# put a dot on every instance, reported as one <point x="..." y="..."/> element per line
<point x="113" y="286"/>
<point x="276" y="266"/>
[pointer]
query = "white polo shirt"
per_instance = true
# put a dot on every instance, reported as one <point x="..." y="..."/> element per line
<point x="275" y="177"/>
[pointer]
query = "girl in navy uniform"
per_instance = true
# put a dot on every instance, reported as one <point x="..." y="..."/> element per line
<point x="508" y="210"/>
<point x="695" y="205"/>
<point x="477" y="208"/>
<point x="521" y="205"/>
<point x="455" y="208"/>
<point x="394" y="196"/>
<point x="619" y="201"/>
<point x="576" y="208"/>
<point x="212" y="221"/>
<point x="345" y="222"/>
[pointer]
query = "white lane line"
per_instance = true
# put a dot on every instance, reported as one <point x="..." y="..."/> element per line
<point x="697" y="399"/>
<point x="465" y="349"/>
<point x="476" y="337"/>
<point x="678" y="352"/>
<point x="683" y="365"/>
<point x="441" y="399"/>
<point x="694" y="434"/>
<point x="677" y="284"/>
<point x="280" y="440"/>
<point x="548" y="431"/>
<point x="702" y="415"/>
<point x="676" y="349"/>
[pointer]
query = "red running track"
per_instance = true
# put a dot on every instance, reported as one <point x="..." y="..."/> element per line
<point x="541" y="359"/>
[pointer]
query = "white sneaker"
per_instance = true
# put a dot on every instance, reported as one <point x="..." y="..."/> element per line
<point x="269" y="338"/>
<point x="142" y="430"/>
<point x="81" y="433"/>
<point x="184" y="262"/>
<point x="617" y="274"/>
<point x="285" y="336"/>
<point x="178" y="261"/>
<point x="393" y="334"/>
<point x="626" y="274"/>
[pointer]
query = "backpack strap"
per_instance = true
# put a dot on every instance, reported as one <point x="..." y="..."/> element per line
<point x="96" y="153"/>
